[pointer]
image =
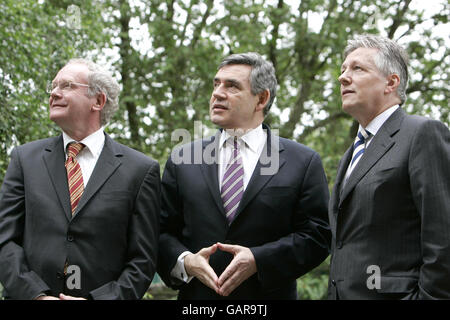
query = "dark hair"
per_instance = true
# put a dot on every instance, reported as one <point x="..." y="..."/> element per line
<point x="262" y="76"/>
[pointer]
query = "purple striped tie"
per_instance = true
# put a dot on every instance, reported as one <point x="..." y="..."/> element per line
<point x="233" y="183"/>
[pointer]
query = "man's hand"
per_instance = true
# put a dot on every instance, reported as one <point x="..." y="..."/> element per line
<point x="47" y="298"/>
<point x="242" y="267"/>
<point x="197" y="265"/>
<point x="64" y="297"/>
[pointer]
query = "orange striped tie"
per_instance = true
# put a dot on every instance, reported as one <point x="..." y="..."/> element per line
<point x="74" y="175"/>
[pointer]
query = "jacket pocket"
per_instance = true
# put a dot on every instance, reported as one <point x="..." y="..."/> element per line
<point x="397" y="284"/>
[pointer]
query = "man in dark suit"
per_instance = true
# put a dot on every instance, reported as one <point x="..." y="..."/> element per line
<point x="249" y="218"/>
<point x="390" y="207"/>
<point x="79" y="212"/>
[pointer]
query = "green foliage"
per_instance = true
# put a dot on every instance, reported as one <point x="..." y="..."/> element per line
<point x="160" y="292"/>
<point x="166" y="69"/>
<point x="314" y="285"/>
<point x="168" y="85"/>
<point x="147" y="296"/>
<point x="35" y="41"/>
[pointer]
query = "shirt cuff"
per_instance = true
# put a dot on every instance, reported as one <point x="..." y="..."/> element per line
<point x="40" y="295"/>
<point x="178" y="271"/>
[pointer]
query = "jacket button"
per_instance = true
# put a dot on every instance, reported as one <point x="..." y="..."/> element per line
<point x="70" y="238"/>
<point x="333" y="282"/>
<point x="339" y="244"/>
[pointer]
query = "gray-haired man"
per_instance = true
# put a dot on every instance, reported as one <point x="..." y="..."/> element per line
<point x="229" y="229"/>
<point x="79" y="212"/>
<point x="389" y="211"/>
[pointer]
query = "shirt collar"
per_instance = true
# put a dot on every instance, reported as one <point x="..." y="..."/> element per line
<point x="252" y="138"/>
<point x="379" y="120"/>
<point x="94" y="142"/>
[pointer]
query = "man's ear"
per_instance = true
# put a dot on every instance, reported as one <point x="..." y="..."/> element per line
<point x="263" y="100"/>
<point x="99" y="101"/>
<point x="392" y="83"/>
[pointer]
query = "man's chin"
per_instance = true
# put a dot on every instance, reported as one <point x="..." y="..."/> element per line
<point x="218" y="121"/>
<point x="347" y="108"/>
<point x="56" y="117"/>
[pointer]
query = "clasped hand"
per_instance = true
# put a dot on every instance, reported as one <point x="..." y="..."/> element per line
<point x="61" y="297"/>
<point x="240" y="268"/>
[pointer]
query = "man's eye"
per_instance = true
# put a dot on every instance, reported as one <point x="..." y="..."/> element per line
<point x="64" y="85"/>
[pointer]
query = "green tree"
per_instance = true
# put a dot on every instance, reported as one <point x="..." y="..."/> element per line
<point x="165" y="54"/>
<point x="36" y="39"/>
<point x="167" y="84"/>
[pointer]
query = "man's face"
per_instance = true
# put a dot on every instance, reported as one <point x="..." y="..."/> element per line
<point x="232" y="104"/>
<point x="70" y="108"/>
<point x="362" y="84"/>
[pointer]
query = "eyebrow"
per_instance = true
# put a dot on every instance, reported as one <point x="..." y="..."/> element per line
<point x="352" y="62"/>
<point x="357" y="61"/>
<point x="229" y="81"/>
<point x="63" y="79"/>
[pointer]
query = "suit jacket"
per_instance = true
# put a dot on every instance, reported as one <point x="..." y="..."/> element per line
<point x="112" y="236"/>
<point x="281" y="218"/>
<point x="394" y="213"/>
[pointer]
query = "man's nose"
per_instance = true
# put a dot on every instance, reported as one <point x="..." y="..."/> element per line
<point x="219" y="92"/>
<point x="344" y="78"/>
<point x="55" y="93"/>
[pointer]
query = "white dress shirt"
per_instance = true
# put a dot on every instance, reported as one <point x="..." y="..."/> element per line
<point x="88" y="157"/>
<point x="373" y="128"/>
<point x="250" y="148"/>
<point x="251" y="145"/>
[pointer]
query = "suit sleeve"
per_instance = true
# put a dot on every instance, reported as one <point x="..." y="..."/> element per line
<point x="308" y="245"/>
<point x="430" y="185"/>
<point x="19" y="281"/>
<point x="172" y="222"/>
<point x="142" y="249"/>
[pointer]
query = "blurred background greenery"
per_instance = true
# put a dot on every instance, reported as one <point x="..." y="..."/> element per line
<point x="165" y="54"/>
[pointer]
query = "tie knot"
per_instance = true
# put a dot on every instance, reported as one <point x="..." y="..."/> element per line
<point x="235" y="143"/>
<point x="74" y="148"/>
<point x="232" y="142"/>
<point x="363" y="135"/>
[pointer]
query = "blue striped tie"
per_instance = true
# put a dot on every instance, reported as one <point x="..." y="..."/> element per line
<point x="359" y="147"/>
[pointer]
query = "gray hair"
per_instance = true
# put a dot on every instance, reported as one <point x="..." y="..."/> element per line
<point x="391" y="58"/>
<point x="99" y="80"/>
<point x="262" y="76"/>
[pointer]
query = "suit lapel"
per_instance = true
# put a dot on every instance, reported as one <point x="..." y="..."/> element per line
<point x="107" y="163"/>
<point x="209" y="168"/>
<point x="342" y="169"/>
<point x="257" y="181"/>
<point x="272" y="150"/>
<point x="381" y="143"/>
<point x="54" y="159"/>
